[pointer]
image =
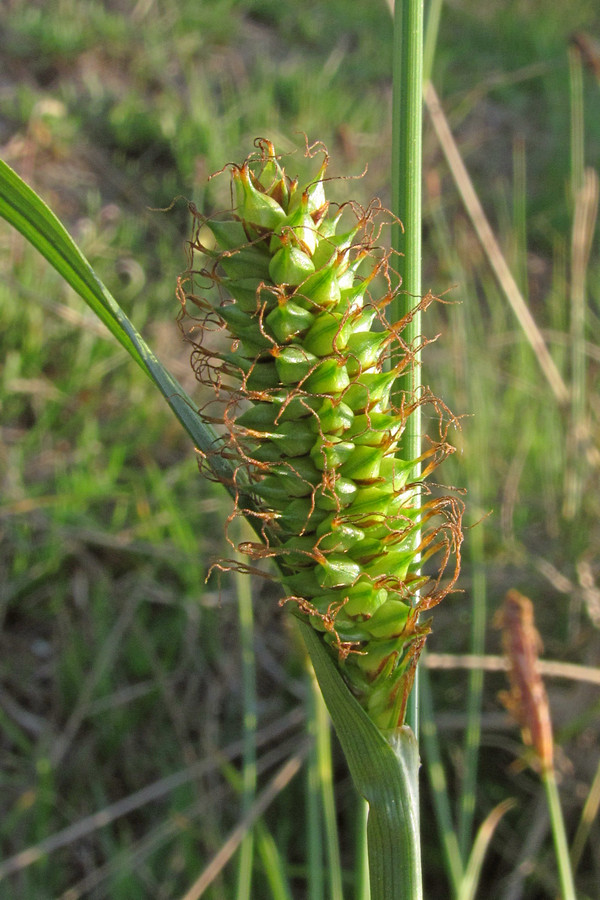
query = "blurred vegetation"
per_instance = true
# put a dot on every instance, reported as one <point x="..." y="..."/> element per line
<point x="119" y="664"/>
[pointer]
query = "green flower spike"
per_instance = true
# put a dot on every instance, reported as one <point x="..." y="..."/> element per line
<point x="309" y="376"/>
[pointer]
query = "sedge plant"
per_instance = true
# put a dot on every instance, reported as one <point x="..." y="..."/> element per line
<point x="310" y="344"/>
<point x="303" y="381"/>
<point x="527" y="701"/>
<point x="315" y="392"/>
<point x="313" y="389"/>
<point x="282" y="454"/>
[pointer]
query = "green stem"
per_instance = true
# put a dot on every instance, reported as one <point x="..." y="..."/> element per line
<point x="588" y="818"/>
<point x="322" y="810"/>
<point x="407" y="121"/>
<point x="334" y="866"/>
<point x="385" y="773"/>
<point x="314" y="824"/>
<point x="561" y="847"/>
<point x="577" y="130"/>
<point x="439" y="789"/>
<point x="362" y="886"/>
<point x="472" y="738"/>
<point x="246" y="632"/>
<point x="395" y="851"/>
<point x="575" y="470"/>
<point x="434" y="14"/>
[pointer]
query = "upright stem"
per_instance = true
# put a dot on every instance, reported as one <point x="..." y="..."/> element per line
<point x="332" y="849"/>
<point x="362" y="890"/>
<point x="384" y="769"/>
<point x="246" y="623"/>
<point x="395" y="845"/>
<point x="314" y="833"/>
<point x="407" y="119"/>
<point x="561" y="846"/>
<point x="434" y="14"/>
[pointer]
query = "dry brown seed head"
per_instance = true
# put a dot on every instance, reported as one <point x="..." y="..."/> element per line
<point x="527" y="700"/>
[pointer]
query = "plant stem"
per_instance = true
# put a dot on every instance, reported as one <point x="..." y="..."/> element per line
<point x="472" y="737"/>
<point x="577" y="129"/>
<point x="560" y="838"/>
<point x="314" y="830"/>
<point x="407" y="119"/>
<point x="439" y="789"/>
<point x="246" y="632"/>
<point x="395" y="851"/>
<point x="362" y="889"/>
<point x="385" y="773"/>
<point x="588" y="817"/>
<point x="434" y="14"/>
<point x="323" y="736"/>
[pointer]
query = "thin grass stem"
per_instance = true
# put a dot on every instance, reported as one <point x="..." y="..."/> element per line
<point x="453" y="857"/>
<point x="432" y="27"/>
<point x="246" y="633"/>
<point x="577" y="299"/>
<point x="334" y="866"/>
<point x="273" y="865"/>
<point x="407" y="124"/>
<point x="577" y="129"/>
<point x="584" y="223"/>
<point x="485" y="832"/>
<point x="474" y="694"/>
<point x="478" y="617"/>
<point x="520" y="214"/>
<point x="314" y="819"/>
<point x="588" y="816"/>
<point x="560" y="838"/>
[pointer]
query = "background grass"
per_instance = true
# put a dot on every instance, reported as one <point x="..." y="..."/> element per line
<point x="120" y="666"/>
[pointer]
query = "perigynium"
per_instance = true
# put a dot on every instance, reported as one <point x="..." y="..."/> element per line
<point x="312" y="384"/>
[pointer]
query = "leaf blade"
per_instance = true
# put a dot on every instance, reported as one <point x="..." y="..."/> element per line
<point x="385" y="773"/>
<point x="22" y="208"/>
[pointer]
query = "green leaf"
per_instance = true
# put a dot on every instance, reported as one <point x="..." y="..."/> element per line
<point x="470" y="881"/>
<point x="28" y="213"/>
<point x="385" y="772"/>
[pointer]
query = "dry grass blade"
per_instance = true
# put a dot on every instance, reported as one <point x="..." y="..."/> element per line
<point x="588" y="817"/>
<point x="490" y="245"/>
<point x="586" y="590"/>
<point x="584" y="226"/>
<point x="589" y="50"/>
<point x="549" y="668"/>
